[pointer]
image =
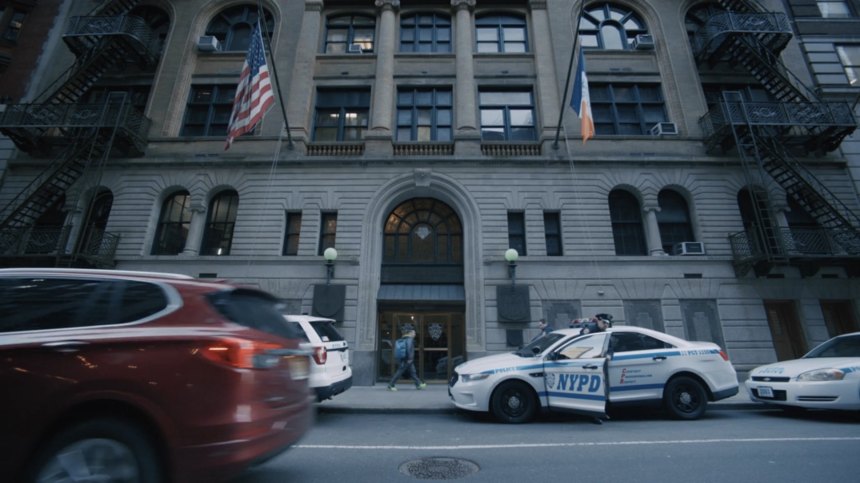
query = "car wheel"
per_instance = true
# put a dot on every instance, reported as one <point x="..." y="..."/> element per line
<point x="99" y="450"/>
<point x="514" y="402"/>
<point x="685" y="398"/>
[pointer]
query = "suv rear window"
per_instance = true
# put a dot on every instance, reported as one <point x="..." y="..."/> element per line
<point x="41" y="303"/>
<point x="326" y="331"/>
<point x="253" y="309"/>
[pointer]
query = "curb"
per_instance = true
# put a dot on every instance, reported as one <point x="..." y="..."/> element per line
<point x="751" y="406"/>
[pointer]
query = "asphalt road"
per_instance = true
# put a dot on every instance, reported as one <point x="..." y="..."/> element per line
<point x="725" y="446"/>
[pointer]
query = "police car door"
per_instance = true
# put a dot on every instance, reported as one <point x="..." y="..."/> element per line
<point x="575" y="375"/>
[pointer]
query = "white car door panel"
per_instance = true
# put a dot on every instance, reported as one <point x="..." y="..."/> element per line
<point x="575" y="375"/>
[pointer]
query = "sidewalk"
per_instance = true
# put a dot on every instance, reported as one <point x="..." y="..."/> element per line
<point x="434" y="399"/>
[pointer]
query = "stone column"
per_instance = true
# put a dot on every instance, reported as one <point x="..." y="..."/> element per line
<point x="301" y="93"/>
<point x="652" y="231"/>
<point x="383" y="88"/>
<point x="195" y="230"/>
<point x="467" y="136"/>
<point x="547" y="86"/>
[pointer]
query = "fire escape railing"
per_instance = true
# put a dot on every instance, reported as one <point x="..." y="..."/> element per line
<point x="78" y="136"/>
<point x="767" y="134"/>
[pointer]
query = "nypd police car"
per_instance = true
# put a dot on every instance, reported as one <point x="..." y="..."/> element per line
<point x="828" y="377"/>
<point x="566" y="370"/>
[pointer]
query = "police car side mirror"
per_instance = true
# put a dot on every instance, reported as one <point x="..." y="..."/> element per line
<point x="535" y="350"/>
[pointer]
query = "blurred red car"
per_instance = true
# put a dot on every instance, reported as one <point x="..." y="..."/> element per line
<point x="137" y="376"/>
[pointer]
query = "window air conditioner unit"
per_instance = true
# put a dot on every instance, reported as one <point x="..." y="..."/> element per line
<point x="355" y="49"/>
<point x="643" y="42"/>
<point x="664" y="128"/>
<point x="689" y="248"/>
<point x="208" y="43"/>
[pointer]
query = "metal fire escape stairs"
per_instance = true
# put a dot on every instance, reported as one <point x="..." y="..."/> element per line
<point x="767" y="135"/>
<point x="78" y="136"/>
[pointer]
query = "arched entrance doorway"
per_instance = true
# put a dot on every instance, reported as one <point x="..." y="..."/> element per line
<point x="422" y="288"/>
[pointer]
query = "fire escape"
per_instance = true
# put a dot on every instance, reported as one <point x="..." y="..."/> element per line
<point x="768" y="137"/>
<point x="74" y="140"/>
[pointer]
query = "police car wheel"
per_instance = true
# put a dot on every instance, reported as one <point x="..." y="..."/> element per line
<point x="514" y="402"/>
<point x="685" y="398"/>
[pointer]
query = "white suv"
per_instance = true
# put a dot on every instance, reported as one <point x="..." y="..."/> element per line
<point x="330" y="371"/>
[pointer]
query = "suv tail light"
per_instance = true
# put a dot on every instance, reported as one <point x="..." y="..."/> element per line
<point x="724" y="356"/>
<point x="242" y="353"/>
<point x="320" y="355"/>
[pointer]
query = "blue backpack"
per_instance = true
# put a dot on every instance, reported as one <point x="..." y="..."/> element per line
<point x="400" y="349"/>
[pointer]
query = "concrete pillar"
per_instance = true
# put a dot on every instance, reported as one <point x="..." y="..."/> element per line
<point x="195" y="230"/>
<point x="383" y="88"/>
<point x="465" y="89"/>
<point x="547" y="88"/>
<point x="299" y="107"/>
<point x="652" y="231"/>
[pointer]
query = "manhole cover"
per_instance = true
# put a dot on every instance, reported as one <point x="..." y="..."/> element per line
<point x="439" y="468"/>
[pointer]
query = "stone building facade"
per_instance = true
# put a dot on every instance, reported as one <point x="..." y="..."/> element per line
<point x="421" y="142"/>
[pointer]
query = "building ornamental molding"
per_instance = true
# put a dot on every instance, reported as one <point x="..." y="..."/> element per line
<point x="458" y="4"/>
<point x="387" y="4"/>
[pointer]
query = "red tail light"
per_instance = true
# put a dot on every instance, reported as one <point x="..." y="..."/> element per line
<point x="320" y="355"/>
<point x="241" y="353"/>
<point x="724" y="356"/>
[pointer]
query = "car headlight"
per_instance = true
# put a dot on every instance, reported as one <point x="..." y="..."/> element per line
<point x="822" y="375"/>
<point x="473" y="377"/>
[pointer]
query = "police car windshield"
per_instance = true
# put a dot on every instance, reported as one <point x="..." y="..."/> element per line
<point x="838" y="347"/>
<point x="539" y="345"/>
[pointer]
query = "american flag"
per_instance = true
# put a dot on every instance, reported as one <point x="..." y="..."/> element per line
<point x="254" y="93"/>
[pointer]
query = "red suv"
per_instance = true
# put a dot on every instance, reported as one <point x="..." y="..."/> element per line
<point x="137" y="376"/>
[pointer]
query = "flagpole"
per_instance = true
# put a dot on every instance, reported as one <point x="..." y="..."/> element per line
<point x="261" y="17"/>
<point x="569" y="73"/>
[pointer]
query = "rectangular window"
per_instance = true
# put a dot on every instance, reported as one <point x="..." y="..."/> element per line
<point x="517" y="231"/>
<point x="291" y="237"/>
<point x="424" y="114"/>
<point x="630" y="109"/>
<point x="13" y="25"/>
<point x="341" y="114"/>
<point x="208" y="110"/>
<point x="507" y="115"/>
<point x="552" y="231"/>
<point x="834" y="9"/>
<point x="429" y="32"/>
<point x="328" y="230"/>
<point x="849" y="55"/>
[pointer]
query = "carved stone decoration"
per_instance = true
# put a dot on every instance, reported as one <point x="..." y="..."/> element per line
<point x="470" y="4"/>
<point x="393" y="4"/>
<point x="422" y="177"/>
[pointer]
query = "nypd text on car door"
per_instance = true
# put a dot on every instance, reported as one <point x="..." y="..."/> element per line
<point x="575" y="375"/>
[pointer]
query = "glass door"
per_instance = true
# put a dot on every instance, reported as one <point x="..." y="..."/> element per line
<point x="439" y="342"/>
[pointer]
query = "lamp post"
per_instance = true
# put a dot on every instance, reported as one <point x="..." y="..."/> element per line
<point x="511" y="255"/>
<point x="330" y="255"/>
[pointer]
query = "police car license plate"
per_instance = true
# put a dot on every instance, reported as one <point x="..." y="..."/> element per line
<point x="765" y="391"/>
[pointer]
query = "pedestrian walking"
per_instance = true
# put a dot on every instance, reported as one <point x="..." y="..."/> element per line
<point x="406" y="357"/>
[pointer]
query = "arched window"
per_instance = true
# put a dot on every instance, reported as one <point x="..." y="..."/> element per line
<point x="173" y="225"/>
<point x="627" y="230"/>
<point x="96" y="222"/>
<point x="158" y="21"/>
<point x="347" y="33"/>
<point x="423" y="230"/>
<point x="807" y="235"/>
<point x="697" y="17"/>
<point x="673" y="219"/>
<point x="425" y="32"/>
<point x="501" y="33"/>
<point x="220" y="221"/>
<point x="755" y="214"/>
<point x="232" y="27"/>
<point x="610" y="27"/>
